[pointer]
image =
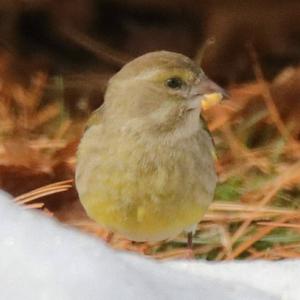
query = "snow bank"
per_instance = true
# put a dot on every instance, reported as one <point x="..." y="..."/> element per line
<point x="42" y="259"/>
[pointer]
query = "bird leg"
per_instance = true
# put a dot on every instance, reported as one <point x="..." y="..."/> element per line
<point x="190" y="253"/>
<point x="190" y="240"/>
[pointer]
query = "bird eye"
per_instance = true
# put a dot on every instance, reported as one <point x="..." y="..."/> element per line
<point x="175" y="83"/>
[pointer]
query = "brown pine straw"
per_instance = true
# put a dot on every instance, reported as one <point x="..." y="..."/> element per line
<point x="34" y="206"/>
<point x="254" y="238"/>
<point x="251" y="158"/>
<point x="286" y="251"/>
<point x="267" y="96"/>
<point x="99" y="49"/>
<point x="289" y="175"/>
<point x="44" y="191"/>
<point x="267" y="254"/>
<point x="278" y="224"/>
<point x="238" y="207"/>
<point x="285" y="254"/>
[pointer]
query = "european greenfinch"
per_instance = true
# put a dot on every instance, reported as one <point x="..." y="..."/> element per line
<point x="146" y="160"/>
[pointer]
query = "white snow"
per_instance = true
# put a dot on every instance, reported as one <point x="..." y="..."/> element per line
<point x="42" y="259"/>
<point x="280" y="278"/>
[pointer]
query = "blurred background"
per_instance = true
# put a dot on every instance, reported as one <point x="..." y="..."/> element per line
<point x="100" y="36"/>
<point x="56" y="58"/>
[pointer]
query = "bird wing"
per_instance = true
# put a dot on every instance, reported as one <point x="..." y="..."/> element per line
<point x="95" y="118"/>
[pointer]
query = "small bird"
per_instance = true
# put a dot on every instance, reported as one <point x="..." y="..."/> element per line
<point x="145" y="165"/>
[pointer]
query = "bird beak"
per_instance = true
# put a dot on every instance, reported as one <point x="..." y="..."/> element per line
<point x="211" y="93"/>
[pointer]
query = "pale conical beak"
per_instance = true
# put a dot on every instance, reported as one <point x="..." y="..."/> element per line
<point x="211" y="92"/>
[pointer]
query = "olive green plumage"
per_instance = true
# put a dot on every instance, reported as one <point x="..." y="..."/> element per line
<point x="145" y="163"/>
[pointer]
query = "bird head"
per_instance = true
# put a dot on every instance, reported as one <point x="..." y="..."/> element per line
<point x="160" y="88"/>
